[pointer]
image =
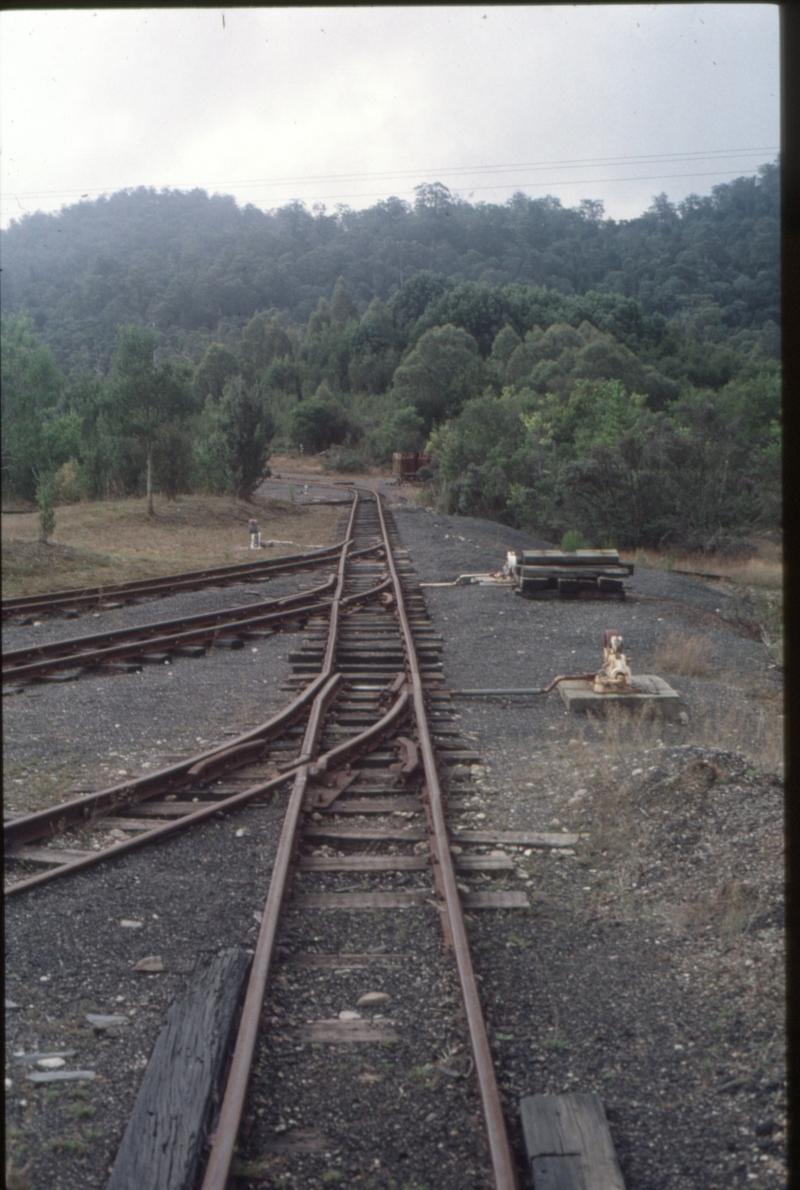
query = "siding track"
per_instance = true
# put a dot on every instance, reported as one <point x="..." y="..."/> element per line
<point x="373" y="762"/>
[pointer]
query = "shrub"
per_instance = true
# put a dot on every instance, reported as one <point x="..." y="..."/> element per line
<point x="347" y="458"/>
<point x="45" y="498"/>
<point x="248" y="426"/>
<point x="67" y="483"/>
<point x="403" y="431"/>
<point x="172" y="459"/>
<point x="315" y="425"/>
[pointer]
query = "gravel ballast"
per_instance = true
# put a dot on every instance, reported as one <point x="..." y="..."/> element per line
<point x="648" y="969"/>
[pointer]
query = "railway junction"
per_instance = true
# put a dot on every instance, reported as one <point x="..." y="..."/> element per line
<point x="486" y="899"/>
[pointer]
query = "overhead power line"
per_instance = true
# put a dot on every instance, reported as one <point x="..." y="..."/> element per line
<point x="530" y="185"/>
<point x="717" y="156"/>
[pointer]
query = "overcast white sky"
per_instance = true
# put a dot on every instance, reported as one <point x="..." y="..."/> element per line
<point x="351" y="105"/>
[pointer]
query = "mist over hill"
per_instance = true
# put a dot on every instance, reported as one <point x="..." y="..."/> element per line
<point x="194" y="265"/>
<point x="564" y="369"/>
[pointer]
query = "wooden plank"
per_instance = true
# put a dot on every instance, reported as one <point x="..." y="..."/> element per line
<point x="164" y="1142"/>
<point x="47" y="855"/>
<point x="341" y="962"/>
<point x="567" y="557"/>
<point x="558" y="1173"/>
<point x="122" y="824"/>
<point x="376" y="805"/>
<point x="365" y="900"/>
<point x="509" y="899"/>
<point x="484" y="863"/>
<point x="516" y="838"/>
<point x="169" y="809"/>
<point x="364" y="863"/>
<point x="411" y="833"/>
<point x="345" y="1032"/>
<point x="569" y="1143"/>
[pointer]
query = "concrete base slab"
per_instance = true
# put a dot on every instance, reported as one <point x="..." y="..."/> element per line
<point x="652" y="695"/>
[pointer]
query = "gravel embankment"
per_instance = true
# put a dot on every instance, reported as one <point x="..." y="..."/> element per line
<point x="67" y="951"/>
<point x="649" y="967"/>
<point x="94" y="730"/>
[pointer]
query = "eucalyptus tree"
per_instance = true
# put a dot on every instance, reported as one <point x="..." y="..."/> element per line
<point x="146" y="394"/>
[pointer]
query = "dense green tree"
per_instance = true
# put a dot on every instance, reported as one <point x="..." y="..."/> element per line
<point x="146" y="394"/>
<point x="247" y="426"/>
<point x="478" y="308"/>
<point x="486" y="463"/>
<point x="505" y="344"/>
<point x="219" y="364"/>
<point x="374" y="350"/>
<point x="188" y="263"/>
<point x="319" y="423"/>
<point x="172" y="459"/>
<point x="566" y="313"/>
<point x="403" y="431"/>
<point x="595" y="413"/>
<point x="343" y="308"/>
<point x="262" y="342"/>
<point x="210" y="453"/>
<point x="324" y="354"/>
<point x="442" y="372"/>
<point x="283" y="376"/>
<point x="30" y="391"/>
<point x="413" y="299"/>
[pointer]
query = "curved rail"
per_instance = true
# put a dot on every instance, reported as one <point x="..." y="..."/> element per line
<point x="190" y="580"/>
<point x="157" y="636"/>
<point x="219" y="1162"/>
<point x="409" y="692"/>
<point x="83" y="810"/>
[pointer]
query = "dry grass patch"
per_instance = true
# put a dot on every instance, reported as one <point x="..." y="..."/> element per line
<point x="763" y="569"/>
<point x="756" y="732"/>
<point x="115" y="540"/>
<point x="730" y="908"/>
<point x="684" y="654"/>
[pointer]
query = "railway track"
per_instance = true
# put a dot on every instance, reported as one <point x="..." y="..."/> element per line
<point x="71" y="603"/>
<point x="377" y="777"/>
<point x="157" y="641"/>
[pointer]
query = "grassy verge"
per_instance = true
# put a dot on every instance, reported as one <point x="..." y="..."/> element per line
<point x="755" y="585"/>
<point x="113" y="541"/>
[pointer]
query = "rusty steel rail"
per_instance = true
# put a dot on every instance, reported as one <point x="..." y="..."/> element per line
<point x="157" y="636"/>
<point x="306" y="768"/>
<point x="191" y="580"/>
<point x="41" y="660"/>
<point x="360" y="743"/>
<point x="218" y="1168"/>
<point x="221" y="1156"/>
<point x="82" y="811"/>
<point x="502" y="1159"/>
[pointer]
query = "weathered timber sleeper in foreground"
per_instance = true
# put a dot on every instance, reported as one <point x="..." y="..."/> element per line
<point x="163" y="1144"/>
<point x="568" y="1143"/>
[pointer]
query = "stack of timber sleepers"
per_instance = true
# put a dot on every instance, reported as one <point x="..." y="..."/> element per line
<point x="569" y="573"/>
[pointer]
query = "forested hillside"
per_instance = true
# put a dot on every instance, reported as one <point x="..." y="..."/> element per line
<point x="620" y="379"/>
